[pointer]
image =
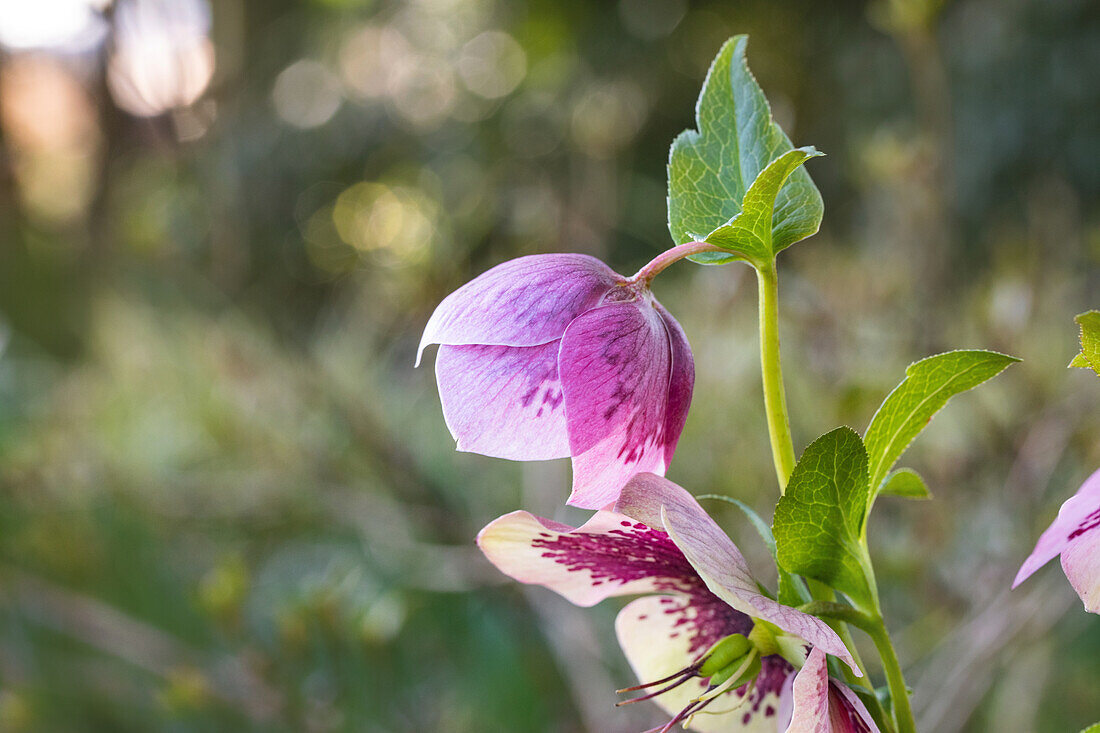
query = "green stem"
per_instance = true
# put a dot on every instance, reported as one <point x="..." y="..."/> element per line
<point x="775" y="401"/>
<point x="899" y="693"/>
<point x="779" y="431"/>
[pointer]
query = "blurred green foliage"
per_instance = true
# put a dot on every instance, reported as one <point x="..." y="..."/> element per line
<point x="227" y="501"/>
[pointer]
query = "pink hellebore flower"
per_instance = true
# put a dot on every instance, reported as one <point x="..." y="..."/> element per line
<point x="816" y="703"/>
<point x="549" y="356"/>
<point x="1075" y="535"/>
<point x="697" y="588"/>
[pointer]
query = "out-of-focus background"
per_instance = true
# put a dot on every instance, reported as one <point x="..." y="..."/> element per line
<point x="229" y="503"/>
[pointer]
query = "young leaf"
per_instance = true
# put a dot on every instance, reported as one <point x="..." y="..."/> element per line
<point x="928" y="385"/>
<point x="749" y="233"/>
<point x="907" y="483"/>
<point x="1089" y="358"/>
<point x="711" y="169"/>
<point x="819" y="520"/>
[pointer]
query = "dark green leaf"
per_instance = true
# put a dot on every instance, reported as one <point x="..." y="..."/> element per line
<point x="819" y="520"/>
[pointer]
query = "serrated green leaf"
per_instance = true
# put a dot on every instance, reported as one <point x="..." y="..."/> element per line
<point x="819" y="519"/>
<point x="710" y="169"/>
<point x="1089" y="358"/>
<point x="1094" y="728"/>
<point x="928" y="385"/>
<point x="750" y="232"/>
<point x="907" y="483"/>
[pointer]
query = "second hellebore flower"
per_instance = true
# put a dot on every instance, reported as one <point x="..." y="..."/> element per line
<point x="699" y="604"/>
<point x="1075" y="535"/>
<point x="549" y="356"/>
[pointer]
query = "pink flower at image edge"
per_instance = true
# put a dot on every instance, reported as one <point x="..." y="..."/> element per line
<point x="1075" y="535"/>
<point x="554" y="356"/>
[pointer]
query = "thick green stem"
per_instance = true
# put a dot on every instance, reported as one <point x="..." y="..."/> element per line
<point x="775" y="401"/>
<point x="899" y="693"/>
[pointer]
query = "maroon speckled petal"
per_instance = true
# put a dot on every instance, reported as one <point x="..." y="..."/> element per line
<point x="1074" y="534"/>
<point x="658" y="502"/>
<point x="681" y="383"/>
<point x="610" y="555"/>
<point x="818" y="704"/>
<point x="615" y="362"/>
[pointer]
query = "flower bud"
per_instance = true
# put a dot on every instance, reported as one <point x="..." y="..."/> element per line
<point x="724" y="653"/>
<point x="744" y="673"/>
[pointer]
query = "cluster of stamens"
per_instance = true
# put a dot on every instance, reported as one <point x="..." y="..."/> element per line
<point x="729" y="664"/>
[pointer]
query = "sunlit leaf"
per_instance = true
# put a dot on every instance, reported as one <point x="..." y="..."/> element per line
<point x="710" y="169"/>
<point x="928" y="385"/>
<point x="750" y="232"/>
<point x="1089" y="358"/>
<point x="907" y="483"/>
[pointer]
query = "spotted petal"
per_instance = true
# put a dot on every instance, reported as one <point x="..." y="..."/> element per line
<point x="615" y="362"/>
<point x="1072" y="534"/>
<point x="504" y="401"/>
<point x="820" y="705"/>
<point x="611" y="555"/>
<point x="663" y="634"/>
<point x="659" y="503"/>
<point x="523" y="302"/>
<point x="1081" y="563"/>
<point x="681" y="382"/>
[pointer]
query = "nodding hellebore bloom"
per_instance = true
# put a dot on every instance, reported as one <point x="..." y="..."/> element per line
<point x="1075" y="535"/>
<point x="722" y="653"/>
<point x="549" y="356"/>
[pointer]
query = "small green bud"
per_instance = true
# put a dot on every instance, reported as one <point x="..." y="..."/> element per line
<point x="723" y="654"/>
<point x="750" y="673"/>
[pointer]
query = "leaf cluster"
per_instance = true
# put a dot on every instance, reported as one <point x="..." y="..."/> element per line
<point x="821" y="521"/>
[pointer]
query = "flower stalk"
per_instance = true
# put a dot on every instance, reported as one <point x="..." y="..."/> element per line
<point x="775" y="400"/>
<point x="783" y="456"/>
<point x="899" y="692"/>
<point x="661" y="262"/>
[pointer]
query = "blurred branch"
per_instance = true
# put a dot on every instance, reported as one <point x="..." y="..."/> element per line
<point x="116" y="634"/>
<point x="965" y="665"/>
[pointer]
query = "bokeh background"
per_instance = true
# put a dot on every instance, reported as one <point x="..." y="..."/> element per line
<point x="229" y="503"/>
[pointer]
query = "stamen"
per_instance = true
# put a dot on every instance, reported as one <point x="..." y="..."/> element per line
<point x="692" y="669"/>
<point x="684" y="677"/>
<point x="717" y="690"/>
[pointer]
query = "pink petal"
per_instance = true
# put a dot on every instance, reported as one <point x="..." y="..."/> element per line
<point x="614" y="362"/>
<point x="659" y="503"/>
<point x="1081" y="563"/>
<point x="611" y="555"/>
<point x="681" y="383"/>
<point x="821" y="705"/>
<point x="1079" y="514"/>
<point x="522" y="302"/>
<point x="504" y="401"/>
<point x="810" y="696"/>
